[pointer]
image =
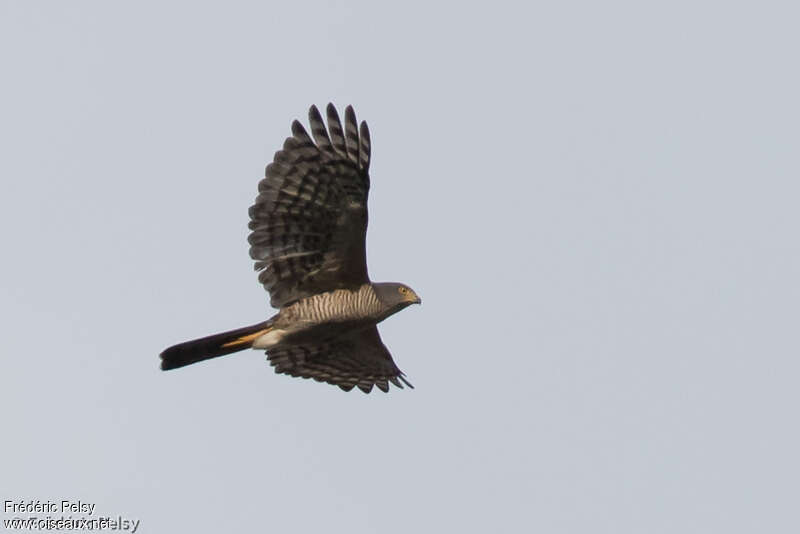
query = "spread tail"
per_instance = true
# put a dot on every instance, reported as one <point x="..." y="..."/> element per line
<point x="209" y="347"/>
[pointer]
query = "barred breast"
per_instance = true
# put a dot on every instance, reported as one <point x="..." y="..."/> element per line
<point x="338" y="305"/>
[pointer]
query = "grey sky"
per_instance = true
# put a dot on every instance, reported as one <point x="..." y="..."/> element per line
<point x="597" y="202"/>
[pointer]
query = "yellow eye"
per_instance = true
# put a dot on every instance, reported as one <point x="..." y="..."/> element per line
<point x="403" y="290"/>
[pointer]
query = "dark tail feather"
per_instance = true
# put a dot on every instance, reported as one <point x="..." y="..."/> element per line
<point x="212" y="346"/>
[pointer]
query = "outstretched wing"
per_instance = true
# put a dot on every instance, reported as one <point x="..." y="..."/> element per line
<point x="309" y="222"/>
<point x="355" y="359"/>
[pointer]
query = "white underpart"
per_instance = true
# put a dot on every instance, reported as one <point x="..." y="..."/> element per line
<point x="269" y="340"/>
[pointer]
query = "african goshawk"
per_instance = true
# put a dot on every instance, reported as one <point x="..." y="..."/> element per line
<point x="309" y="225"/>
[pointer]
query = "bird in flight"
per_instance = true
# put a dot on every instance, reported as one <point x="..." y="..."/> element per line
<point x="308" y="231"/>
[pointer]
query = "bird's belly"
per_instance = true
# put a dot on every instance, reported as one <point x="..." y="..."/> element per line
<point x="270" y="339"/>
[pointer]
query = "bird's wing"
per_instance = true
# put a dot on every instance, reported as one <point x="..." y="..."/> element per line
<point x="356" y="359"/>
<point x="309" y="221"/>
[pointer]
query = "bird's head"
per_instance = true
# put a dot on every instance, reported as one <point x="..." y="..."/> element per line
<point x="396" y="296"/>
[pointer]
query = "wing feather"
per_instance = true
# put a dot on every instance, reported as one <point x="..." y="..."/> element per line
<point x="351" y="134"/>
<point x="335" y="127"/>
<point x="309" y="221"/>
<point x="357" y="359"/>
<point x="364" y="147"/>
<point x="318" y="129"/>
